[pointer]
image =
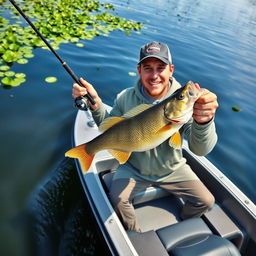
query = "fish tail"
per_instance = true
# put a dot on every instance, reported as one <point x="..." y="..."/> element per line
<point x="80" y="153"/>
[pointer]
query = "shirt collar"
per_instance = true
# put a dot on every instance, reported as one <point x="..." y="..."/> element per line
<point x="150" y="99"/>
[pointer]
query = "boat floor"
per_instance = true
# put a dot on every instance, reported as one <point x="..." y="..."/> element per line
<point x="158" y="213"/>
<point x="150" y="204"/>
<point x="158" y="210"/>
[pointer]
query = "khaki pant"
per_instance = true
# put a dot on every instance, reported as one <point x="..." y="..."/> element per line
<point x="196" y="196"/>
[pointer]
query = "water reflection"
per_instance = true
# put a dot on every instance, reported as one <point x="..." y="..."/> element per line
<point x="60" y="220"/>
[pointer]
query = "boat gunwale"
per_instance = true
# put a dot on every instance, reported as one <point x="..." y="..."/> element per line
<point x="223" y="180"/>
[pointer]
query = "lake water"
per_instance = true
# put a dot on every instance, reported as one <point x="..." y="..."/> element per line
<point x="212" y="43"/>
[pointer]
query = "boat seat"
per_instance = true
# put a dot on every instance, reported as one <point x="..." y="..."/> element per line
<point x="147" y="244"/>
<point x="193" y="237"/>
<point x="146" y="195"/>
<point x="222" y="225"/>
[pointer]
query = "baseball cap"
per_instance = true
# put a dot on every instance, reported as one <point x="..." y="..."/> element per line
<point x="157" y="50"/>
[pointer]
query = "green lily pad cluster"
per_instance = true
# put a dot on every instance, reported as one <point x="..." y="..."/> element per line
<point x="59" y="21"/>
<point x="10" y="77"/>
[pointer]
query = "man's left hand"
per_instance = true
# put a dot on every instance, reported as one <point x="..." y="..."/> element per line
<point x="205" y="107"/>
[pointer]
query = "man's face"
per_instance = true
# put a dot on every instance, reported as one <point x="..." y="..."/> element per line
<point x="155" y="76"/>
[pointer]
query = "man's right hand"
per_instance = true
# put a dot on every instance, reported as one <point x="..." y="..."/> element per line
<point x="78" y="91"/>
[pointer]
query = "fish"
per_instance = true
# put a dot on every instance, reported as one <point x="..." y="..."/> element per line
<point x="142" y="128"/>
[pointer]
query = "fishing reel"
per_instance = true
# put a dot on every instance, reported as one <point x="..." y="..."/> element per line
<point x="82" y="104"/>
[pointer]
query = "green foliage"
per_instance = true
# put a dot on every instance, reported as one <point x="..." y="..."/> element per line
<point x="236" y="108"/>
<point x="51" y="79"/>
<point x="13" y="79"/>
<point x="59" y="21"/>
<point x="132" y="73"/>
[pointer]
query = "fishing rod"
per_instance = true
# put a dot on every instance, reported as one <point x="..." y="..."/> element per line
<point x="80" y="101"/>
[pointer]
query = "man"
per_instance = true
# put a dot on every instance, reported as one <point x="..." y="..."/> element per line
<point x="162" y="166"/>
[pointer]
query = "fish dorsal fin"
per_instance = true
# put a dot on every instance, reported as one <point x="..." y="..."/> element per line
<point x="120" y="156"/>
<point x="175" y="141"/>
<point x="137" y="110"/>
<point x="109" y="122"/>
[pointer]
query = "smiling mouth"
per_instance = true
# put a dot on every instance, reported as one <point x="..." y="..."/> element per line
<point x="155" y="83"/>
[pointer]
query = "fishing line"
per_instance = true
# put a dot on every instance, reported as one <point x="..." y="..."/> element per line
<point x="80" y="101"/>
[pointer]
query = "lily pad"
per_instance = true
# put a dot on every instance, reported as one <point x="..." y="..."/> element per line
<point x="14" y="47"/>
<point x="236" y="109"/>
<point x="10" y="56"/>
<point x="6" y="80"/>
<point x="22" y="61"/>
<point x="29" y="55"/>
<point x="51" y="79"/>
<point x="17" y="81"/>
<point x="132" y="74"/>
<point x="4" y="68"/>
<point x="80" y="45"/>
<point x="20" y="75"/>
<point x="9" y="73"/>
<point x="74" y="39"/>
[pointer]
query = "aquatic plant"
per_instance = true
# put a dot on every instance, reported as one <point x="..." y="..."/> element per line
<point x="59" y="21"/>
<point x="236" y="108"/>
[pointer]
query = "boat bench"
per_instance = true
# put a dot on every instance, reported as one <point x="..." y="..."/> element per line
<point x="189" y="237"/>
<point x="149" y="194"/>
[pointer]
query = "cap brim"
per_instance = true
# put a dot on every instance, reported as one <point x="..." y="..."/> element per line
<point x="157" y="57"/>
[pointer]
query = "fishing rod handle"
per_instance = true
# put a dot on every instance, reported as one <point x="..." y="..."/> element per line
<point x="73" y="75"/>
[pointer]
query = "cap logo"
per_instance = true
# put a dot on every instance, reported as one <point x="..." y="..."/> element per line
<point x="152" y="48"/>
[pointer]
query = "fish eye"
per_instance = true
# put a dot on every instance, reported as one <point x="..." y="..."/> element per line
<point x="181" y="96"/>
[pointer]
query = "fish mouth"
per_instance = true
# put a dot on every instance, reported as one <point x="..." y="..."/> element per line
<point x="197" y="86"/>
<point x="181" y="119"/>
<point x="193" y="90"/>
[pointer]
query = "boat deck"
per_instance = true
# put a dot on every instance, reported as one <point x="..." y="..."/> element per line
<point x="158" y="213"/>
<point x="151" y="203"/>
